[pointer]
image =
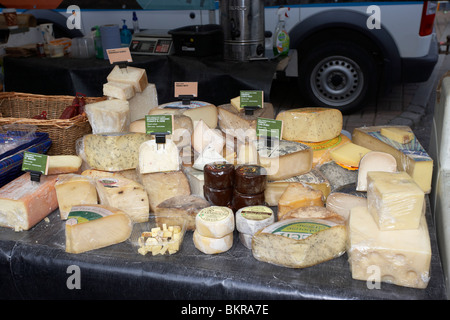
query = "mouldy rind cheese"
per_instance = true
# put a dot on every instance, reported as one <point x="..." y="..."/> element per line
<point x="24" y="203"/>
<point x="209" y="245"/>
<point x="74" y="189"/>
<point x="154" y="157"/>
<point x="111" y="152"/>
<point x="284" y="159"/>
<point x="298" y="195"/>
<point x="109" y="116"/>
<point x="95" y="226"/>
<point x="311" y="124"/>
<point x="299" y="243"/>
<point x="137" y="77"/>
<point x="253" y="218"/>
<point x="411" y="157"/>
<point x="394" y="200"/>
<point x="337" y="175"/>
<point x="374" y="161"/>
<point x="401" y="257"/>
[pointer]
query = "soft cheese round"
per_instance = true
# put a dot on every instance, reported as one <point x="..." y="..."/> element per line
<point x="215" y="221"/>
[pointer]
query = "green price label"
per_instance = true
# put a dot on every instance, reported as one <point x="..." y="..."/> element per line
<point x="35" y="162"/>
<point x="268" y="128"/>
<point x="251" y="98"/>
<point x="159" y="123"/>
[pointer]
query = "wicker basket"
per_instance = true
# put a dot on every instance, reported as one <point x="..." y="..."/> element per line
<point x="18" y="107"/>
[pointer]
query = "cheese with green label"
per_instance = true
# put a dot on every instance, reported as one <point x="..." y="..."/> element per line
<point x="299" y="243"/>
<point x="93" y="227"/>
<point x="155" y="157"/>
<point x="253" y="218"/>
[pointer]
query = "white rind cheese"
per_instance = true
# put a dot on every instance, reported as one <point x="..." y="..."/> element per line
<point x="215" y="221"/>
<point x="111" y="115"/>
<point x="209" y="245"/>
<point x="253" y="218"/>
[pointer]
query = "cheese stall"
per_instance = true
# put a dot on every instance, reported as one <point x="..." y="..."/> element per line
<point x="191" y="200"/>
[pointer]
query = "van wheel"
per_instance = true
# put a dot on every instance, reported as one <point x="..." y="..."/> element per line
<point x="337" y="74"/>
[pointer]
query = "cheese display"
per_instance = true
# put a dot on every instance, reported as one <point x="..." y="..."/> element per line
<point x="179" y="209"/>
<point x="124" y="194"/>
<point x="209" y="245"/>
<point x="349" y="155"/>
<point x="93" y="227"/>
<point x="137" y="77"/>
<point x="154" y="157"/>
<point x="111" y="152"/>
<point x="342" y="203"/>
<point x="24" y="203"/>
<point x="394" y="200"/>
<point x="322" y="150"/>
<point x="204" y="136"/>
<point x="161" y="186"/>
<point x="109" y="116"/>
<point x="142" y="102"/>
<point x="215" y="222"/>
<point x="298" y="195"/>
<point x="284" y="159"/>
<point x="411" y="157"/>
<point x="58" y="164"/>
<point x="74" y="189"/>
<point x="299" y="243"/>
<point x="311" y="124"/>
<point x="374" y="161"/>
<point x="118" y="90"/>
<point x="400" y="257"/>
<point x="196" y="110"/>
<point x="314" y="179"/>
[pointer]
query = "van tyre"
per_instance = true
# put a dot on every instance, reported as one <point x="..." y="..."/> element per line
<point x="337" y="74"/>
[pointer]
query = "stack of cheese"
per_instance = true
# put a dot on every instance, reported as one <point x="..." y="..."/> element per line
<point x="218" y="183"/>
<point x="214" y="227"/>
<point x="249" y="186"/>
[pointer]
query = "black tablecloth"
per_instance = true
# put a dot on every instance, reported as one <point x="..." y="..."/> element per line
<point x="218" y="80"/>
<point x="34" y="265"/>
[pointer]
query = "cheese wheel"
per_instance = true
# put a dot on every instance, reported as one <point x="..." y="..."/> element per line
<point x="215" y="221"/>
<point x="253" y="218"/>
<point x="241" y="200"/>
<point x="212" y="245"/>
<point x="246" y="240"/>
<point x="250" y="179"/>
<point x="218" y="197"/>
<point x="219" y="175"/>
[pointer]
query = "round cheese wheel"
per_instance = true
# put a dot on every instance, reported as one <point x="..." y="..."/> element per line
<point x="241" y="200"/>
<point x="219" y="175"/>
<point x="212" y="245"/>
<point x="215" y="221"/>
<point x="253" y="218"/>
<point x="250" y="179"/>
<point x="246" y="239"/>
<point x="218" y="197"/>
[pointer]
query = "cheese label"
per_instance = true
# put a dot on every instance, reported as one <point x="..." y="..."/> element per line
<point x="257" y="213"/>
<point x="35" y="162"/>
<point x="159" y="123"/>
<point x="251" y="98"/>
<point x="82" y="214"/>
<point x="269" y="127"/>
<point x="298" y="229"/>
<point x="214" y="213"/>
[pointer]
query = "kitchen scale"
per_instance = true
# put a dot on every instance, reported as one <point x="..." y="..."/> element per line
<point x="152" y="42"/>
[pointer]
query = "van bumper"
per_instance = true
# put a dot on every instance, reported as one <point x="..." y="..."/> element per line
<point x="420" y="69"/>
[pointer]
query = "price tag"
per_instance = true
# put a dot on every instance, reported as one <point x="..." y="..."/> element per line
<point x="252" y="98"/>
<point x="36" y="164"/>
<point x="186" y="89"/>
<point x="119" y="55"/>
<point x="269" y="128"/>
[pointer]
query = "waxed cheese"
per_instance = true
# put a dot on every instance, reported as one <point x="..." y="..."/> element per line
<point x="400" y="257"/>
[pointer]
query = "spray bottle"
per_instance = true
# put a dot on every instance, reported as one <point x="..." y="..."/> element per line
<point x="280" y="36"/>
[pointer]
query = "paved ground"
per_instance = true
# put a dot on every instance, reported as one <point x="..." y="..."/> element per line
<point x="407" y="104"/>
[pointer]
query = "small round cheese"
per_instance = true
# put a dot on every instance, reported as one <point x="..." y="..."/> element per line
<point x="215" y="221"/>
<point x="212" y="245"/>
<point x="253" y="218"/>
<point x="246" y="239"/>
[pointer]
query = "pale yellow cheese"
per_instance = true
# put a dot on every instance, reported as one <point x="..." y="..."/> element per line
<point x="215" y="221"/>
<point x="212" y="245"/>
<point x="397" y="134"/>
<point x="58" y="164"/>
<point x="142" y="102"/>
<point x="118" y="90"/>
<point x="111" y="115"/>
<point x="154" y="157"/>
<point x="298" y="195"/>
<point x="349" y="154"/>
<point x="137" y="77"/>
<point x="400" y="257"/>
<point x="394" y="200"/>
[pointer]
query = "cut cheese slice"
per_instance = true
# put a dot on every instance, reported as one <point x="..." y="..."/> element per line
<point x="24" y="203"/>
<point x="298" y="195"/>
<point x="400" y="257"/>
<point x="95" y="226"/>
<point x="74" y="189"/>
<point x="118" y="90"/>
<point x="400" y="135"/>
<point x="322" y="150"/>
<point x="313" y="212"/>
<point x="374" y="161"/>
<point x="343" y="203"/>
<point x="395" y="201"/>
<point x="411" y="157"/>
<point x="109" y="116"/>
<point x="212" y="245"/>
<point x="299" y="243"/>
<point x="311" y="124"/>
<point x="215" y="222"/>
<point x="154" y="157"/>
<point x="137" y="77"/>
<point x="284" y="159"/>
<point x="349" y="155"/>
<point x="126" y="195"/>
<point x="253" y="218"/>
<point x="58" y="164"/>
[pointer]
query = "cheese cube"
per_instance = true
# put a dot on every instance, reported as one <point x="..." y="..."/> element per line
<point x="137" y="77"/>
<point x="311" y="124"/>
<point x="298" y="195"/>
<point x="155" y="157"/>
<point x="109" y="116"/>
<point x="24" y="203"/>
<point x="349" y="154"/>
<point x="400" y="257"/>
<point x="395" y="201"/>
<point x="74" y="189"/>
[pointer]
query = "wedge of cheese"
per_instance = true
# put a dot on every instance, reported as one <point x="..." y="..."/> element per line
<point x="137" y="77"/>
<point x="284" y="159"/>
<point x="95" y="226"/>
<point x="374" y="161"/>
<point x="400" y="135"/>
<point x="109" y="116"/>
<point x="124" y="194"/>
<point x="311" y="124"/>
<point x="394" y="200"/>
<point x="411" y="157"/>
<point x="74" y="189"/>
<point x="349" y="155"/>
<point x="154" y="157"/>
<point x="400" y="257"/>
<point x="322" y="150"/>
<point x="298" y="195"/>
<point x="58" y="164"/>
<point x="24" y="203"/>
<point x="299" y="243"/>
<point x="118" y="90"/>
